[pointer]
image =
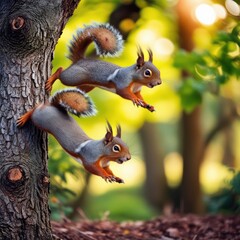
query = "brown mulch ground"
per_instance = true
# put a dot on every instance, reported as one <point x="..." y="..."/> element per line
<point x="162" y="228"/>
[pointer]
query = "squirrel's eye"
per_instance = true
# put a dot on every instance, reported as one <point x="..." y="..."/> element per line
<point x="116" y="148"/>
<point x="147" y="73"/>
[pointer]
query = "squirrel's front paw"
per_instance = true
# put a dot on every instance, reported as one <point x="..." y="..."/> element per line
<point x="138" y="102"/>
<point x="111" y="179"/>
<point x="119" y="180"/>
<point x="150" y="108"/>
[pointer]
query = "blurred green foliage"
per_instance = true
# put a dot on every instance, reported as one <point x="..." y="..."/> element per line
<point x="60" y="166"/>
<point x="209" y="69"/>
<point x="227" y="200"/>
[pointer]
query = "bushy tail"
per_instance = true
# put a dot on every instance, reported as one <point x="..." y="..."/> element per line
<point x="74" y="101"/>
<point x="108" y="41"/>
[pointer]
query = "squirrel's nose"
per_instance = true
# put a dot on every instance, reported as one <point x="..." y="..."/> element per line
<point x="128" y="157"/>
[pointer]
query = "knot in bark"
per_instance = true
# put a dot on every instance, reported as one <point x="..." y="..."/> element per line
<point x="14" y="177"/>
<point x="21" y="32"/>
<point x="15" y="174"/>
<point x="17" y="23"/>
<point x="46" y="180"/>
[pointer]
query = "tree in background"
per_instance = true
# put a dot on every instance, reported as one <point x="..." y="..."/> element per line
<point x="191" y="141"/>
<point x="203" y="71"/>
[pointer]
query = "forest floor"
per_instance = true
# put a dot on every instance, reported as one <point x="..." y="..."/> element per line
<point x="175" y="227"/>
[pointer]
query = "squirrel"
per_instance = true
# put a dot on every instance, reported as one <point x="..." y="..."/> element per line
<point x="87" y="74"/>
<point x="95" y="155"/>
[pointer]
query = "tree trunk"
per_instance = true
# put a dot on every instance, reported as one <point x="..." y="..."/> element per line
<point x="192" y="145"/>
<point x="192" y="140"/>
<point x="156" y="183"/>
<point x="29" y="32"/>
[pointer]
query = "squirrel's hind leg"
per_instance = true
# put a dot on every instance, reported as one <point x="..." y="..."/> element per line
<point x="52" y="79"/>
<point x="24" y="118"/>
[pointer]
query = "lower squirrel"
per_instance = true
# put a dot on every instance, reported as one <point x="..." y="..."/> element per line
<point x="95" y="155"/>
<point x="87" y="74"/>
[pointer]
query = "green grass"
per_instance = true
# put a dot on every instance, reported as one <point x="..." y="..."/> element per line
<point x="122" y="205"/>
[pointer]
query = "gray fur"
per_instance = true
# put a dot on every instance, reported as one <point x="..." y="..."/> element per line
<point x="92" y="150"/>
<point x="87" y="71"/>
<point x="97" y="71"/>
<point x="62" y="126"/>
<point x="72" y="138"/>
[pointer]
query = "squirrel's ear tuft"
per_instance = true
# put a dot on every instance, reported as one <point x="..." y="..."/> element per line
<point x="150" y="53"/>
<point x="140" y="59"/>
<point x="109" y="128"/>
<point x="109" y="135"/>
<point x="118" y="131"/>
<point x="108" y="138"/>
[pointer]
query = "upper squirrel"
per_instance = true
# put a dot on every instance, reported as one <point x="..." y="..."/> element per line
<point x="87" y="74"/>
<point x="95" y="155"/>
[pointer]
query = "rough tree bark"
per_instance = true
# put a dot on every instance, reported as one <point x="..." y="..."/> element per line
<point x="29" y="30"/>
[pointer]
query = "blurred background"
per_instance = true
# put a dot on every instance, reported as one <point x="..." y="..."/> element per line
<point x="186" y="154"/>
